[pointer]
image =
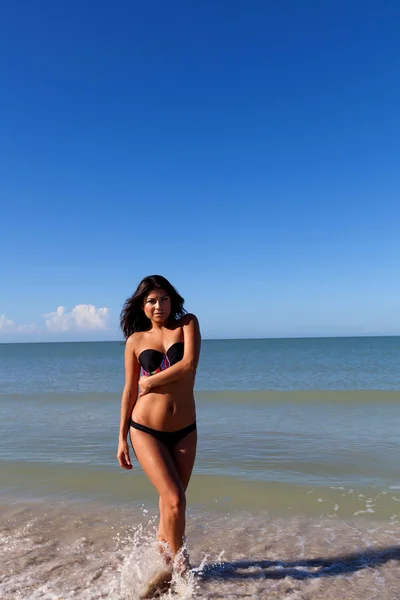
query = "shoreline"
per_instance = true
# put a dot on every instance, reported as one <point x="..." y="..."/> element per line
<point x="210" y="493"/>
<point x="45" y="547"/>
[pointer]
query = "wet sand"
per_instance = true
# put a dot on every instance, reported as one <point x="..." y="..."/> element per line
<point x="88" y="552"/>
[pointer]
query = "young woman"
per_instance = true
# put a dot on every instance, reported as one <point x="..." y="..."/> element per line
<point x="157" y="408"/>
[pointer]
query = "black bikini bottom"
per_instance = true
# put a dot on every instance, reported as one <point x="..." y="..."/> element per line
<point x="168" y="438"/>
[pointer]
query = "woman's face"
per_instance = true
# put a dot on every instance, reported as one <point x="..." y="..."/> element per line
<point x="157" y="306"/>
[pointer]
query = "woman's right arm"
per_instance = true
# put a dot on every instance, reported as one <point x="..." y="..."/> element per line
<point x="129" y="397"/>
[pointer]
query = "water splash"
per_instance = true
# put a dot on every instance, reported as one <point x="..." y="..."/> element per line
<point x="143" y="560"/>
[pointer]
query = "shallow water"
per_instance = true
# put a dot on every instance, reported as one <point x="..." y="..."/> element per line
<point x="316" y="438"/>
<point x="89" y="552"/>
<point x="295" y="492"/>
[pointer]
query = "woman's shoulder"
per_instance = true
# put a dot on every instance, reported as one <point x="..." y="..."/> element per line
<point x="187" y="319"/>
<point x="133" y="340"/>
<point x="189" y="322"/>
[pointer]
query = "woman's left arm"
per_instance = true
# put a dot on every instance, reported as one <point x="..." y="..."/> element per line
<point x="188" y="364"/>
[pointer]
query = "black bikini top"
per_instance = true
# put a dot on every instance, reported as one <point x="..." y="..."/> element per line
<point x="154" y="361"/>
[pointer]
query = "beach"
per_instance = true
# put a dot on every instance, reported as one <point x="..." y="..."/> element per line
<point x="295" y="492"/>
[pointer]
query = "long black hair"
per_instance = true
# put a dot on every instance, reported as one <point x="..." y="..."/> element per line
<point x="132" y="316"/>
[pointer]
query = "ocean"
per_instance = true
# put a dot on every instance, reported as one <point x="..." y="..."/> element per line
<point x="295" y="492"/>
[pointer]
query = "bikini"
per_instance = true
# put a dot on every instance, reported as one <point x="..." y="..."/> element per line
<point x="152" y="362"/>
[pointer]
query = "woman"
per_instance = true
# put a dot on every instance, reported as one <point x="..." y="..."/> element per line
<point x="157" y="409"/>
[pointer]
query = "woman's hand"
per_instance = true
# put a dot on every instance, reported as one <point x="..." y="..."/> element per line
<point x="144" y="385"/>
<point x="123" y="455"/>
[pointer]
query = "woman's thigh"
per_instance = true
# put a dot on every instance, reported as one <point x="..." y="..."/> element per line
<point x="157" y="462"/>
<point x="183" y="455"/>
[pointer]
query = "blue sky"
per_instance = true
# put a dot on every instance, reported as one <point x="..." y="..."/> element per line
<point x="248" y="151"/>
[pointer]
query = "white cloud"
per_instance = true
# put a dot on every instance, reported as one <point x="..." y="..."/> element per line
<point x="7" y="325"/>
<point x="81" y="317"/>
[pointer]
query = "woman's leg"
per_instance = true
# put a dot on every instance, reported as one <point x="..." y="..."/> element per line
<point x="159" y="467"/>
<point x="183" y="456"/>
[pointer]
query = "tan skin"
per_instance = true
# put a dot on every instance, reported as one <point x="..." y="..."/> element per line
<point x="164" y="402"/>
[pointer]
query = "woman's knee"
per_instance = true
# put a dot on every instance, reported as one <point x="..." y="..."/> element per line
<point x="174" y="502"/>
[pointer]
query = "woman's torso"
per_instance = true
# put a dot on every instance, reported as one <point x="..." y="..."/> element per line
<point x="171" y="406"/>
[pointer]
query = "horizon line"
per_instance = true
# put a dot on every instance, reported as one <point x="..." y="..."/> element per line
<point x="310" y="337"/>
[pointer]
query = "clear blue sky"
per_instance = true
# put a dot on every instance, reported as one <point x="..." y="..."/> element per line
<point x="248" y="151"/>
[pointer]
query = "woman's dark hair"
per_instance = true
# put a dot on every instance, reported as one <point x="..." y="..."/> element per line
<point x="132" y="316"/>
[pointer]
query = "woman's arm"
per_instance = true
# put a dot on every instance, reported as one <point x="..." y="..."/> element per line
<point x="130" y="392"/>
<point x="188" y="364"/>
